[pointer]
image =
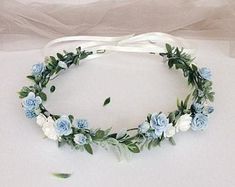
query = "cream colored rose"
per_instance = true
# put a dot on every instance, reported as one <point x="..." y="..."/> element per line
<point x="49" y="129"/>
<point x="41" y="119"/>
<point x="183" y="123"/>
<point x="170" y="131"/>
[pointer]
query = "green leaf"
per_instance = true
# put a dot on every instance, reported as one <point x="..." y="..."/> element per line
<point x="194" y="67"/>
<point x="88" y="148"/>
<point x="172" y="141"/>
<point x="170" y="63"/>
<point x="45" y="81"/>
<point x="43" y="96"/>
<point x="52" y="89"/>
<point x="168" y="48"/>
<point x="76" y="60"/>
<point x="62" y="175"/>
<point x="186" y="101"/>
<point x="133" y="148"/>
<point x="107" y="101"/>
<point x="60" y="56"/>
<point x="71" y="118"/>
<point x="99" y="134"/>
<point x="53" y="59"/>
<point x="22" y="94"/>
<point x="31" y="77"/>
<point x="112" y="141"/>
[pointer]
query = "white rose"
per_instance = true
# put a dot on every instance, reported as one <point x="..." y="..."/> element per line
<point x="41" y="119"/>
<point x="183" y="123"/>
<point x="49" y="129"/>
<point x="62" y="65"/>
<point x="170" y="131"/>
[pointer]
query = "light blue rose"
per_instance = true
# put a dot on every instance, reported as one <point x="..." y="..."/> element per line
<point x="63" y="126"/>
<point x="150" y="135"/>
<point x="197" y="107"/>
<point x="31" y="102"/>
<point x="80" y="139"/>
<point x="199" y="122"/>
<point x="208" y="110"/>
<point x="205" y="73"/>
<point x="30" y="114"/>
<point x="144" y="127"/>
<point x="37" y="69"/>
<point x="159" y="122"/>
<point x="81" y="124"/>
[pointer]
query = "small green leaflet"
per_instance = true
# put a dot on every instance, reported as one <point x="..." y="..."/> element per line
<point x="62" y="175"/>
<point x="52" y="89"/>
<point x="88" y="148"/>
<point x="107" y="101"/>
<point x="172" y="141"/>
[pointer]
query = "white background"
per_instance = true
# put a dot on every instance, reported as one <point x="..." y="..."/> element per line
<point x="137" y="84"/>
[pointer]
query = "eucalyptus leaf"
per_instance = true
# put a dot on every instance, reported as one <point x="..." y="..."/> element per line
<point x="43" y="96"/>
<point x="52" y="89"/>
<point x="88" y="148"/>
<point x="62" y="175"/>
<point x="107" y="101"/>
<point x="133" y="148"/>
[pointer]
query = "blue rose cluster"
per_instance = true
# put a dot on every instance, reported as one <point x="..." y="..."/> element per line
<point x="159" y="123"/>
<point x="63" y="127"/>
<point x="200" y="116"/>
<point x="31" y="104"/>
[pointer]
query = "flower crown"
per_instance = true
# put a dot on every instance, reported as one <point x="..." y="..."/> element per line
<point x="191" y="113"/>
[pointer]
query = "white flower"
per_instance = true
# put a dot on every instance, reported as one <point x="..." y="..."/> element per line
<point x="170" y="131"/>
<point x="183" y="123"/>
<point x="49" y="129"/>
<point x="62" y="65"/>
<point x="41" y="119"/>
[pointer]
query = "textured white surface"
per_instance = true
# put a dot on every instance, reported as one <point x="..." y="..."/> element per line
<point x="137" y="84"/>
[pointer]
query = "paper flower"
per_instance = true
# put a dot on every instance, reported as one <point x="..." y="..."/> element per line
<point x="37" y="69"/>
<point x="31" y="102"/>
<point x="63" y="126"/>
<point x="81" y="123"/>
<point x="199" y="122"/>
<point x="80" y="139"/>
<point x="159" y="122"/>
<point x="183" y="123"/>
<point x="205" y="73"/>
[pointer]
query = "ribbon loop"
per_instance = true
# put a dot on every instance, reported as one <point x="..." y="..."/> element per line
<point x="153" y="42"/>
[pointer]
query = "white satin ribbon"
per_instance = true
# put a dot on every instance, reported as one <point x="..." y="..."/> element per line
<point x="153" y="42"/>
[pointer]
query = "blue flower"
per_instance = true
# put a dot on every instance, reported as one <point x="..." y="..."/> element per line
<point x="150" y="135"/>
<point x="37" y="69"/>
<point x="81" y="124"/>
<point x="205" y="73"/>
<point x="208" y="110"/>
<point x="197" y="107"/>
<point x="159" y="123"/>
<point x="30" y="114"/>
<point x="199" y="122"/>
<point x="80" y="139"/>
<point x="144" y="127"/>
<point x="63" y="126"/>
<point x="31" y="102"/>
